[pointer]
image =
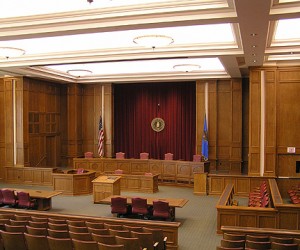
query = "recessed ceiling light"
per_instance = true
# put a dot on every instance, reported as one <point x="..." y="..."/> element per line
<point x="79" y="72"/>
<point x="153" y="41"/>
<point x="186" y="67"/>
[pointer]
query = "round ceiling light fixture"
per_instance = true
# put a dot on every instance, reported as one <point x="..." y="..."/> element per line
<point x="8" y="52"/>
<point x="153" y="41"/>
<point x="79" y="72"/>
<point x="186" y="67"/>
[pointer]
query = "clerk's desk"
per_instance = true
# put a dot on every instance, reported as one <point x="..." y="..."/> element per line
<point x="42" y="197"/>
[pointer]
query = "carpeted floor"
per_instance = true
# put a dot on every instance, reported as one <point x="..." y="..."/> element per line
<point x="198" y="216"/>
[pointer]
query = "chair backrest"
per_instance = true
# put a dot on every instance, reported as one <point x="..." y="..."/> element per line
<point x="81" y="236"/>
<point x="84" y="245"/>
<point x="38" y="224"/>
<point x="80" y="171"/>
<point x="123" y="233"/>
<point x="232" y="243"/>
<point x="88" y="155"/>
<point x="228" y="236"/>
<point x="58" y="233"/>
<point x="58" y="226"/>
<point x="13" y="240"/>
<point x="106" y="239"/>
<point x="285" y="240"/>
<point x="284" y="246"/>
<point x="119" y="171"/>
<point x="144" y="156"/>
<point x="36" y="230"/>
<point x="169" y="156"/>
<point x="57" y="221"/>
<point x="22" y="217"/>
<point x="24" y="200"/>
<point x="113" y="226"/>
<point x="119" y="205"/>
<point x="257" y="238"/>
<point x="78" y="229"/>
<point x="129" y="243"/>
<point x="197" y="158"/>
<point x="9" y="197"/>
<point x="11" y="228"/>
<point x="161" y="209"/>
<point x="120" y="155"/>
<point x="36" y="242"/>
<point x="96" y="225"/>
<point x="139" y="205"/>
<point x="60" y="244"/>
<point x="76" y="223"/>
<point x="102" y="246"/>
<point x="39" y="219"/>
<point x="18" y="222"/>
<point x="146" y="239"/>
<point x="100" y="231"/>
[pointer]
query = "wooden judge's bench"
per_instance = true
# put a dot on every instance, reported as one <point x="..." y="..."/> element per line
<point x="168" y="171"/>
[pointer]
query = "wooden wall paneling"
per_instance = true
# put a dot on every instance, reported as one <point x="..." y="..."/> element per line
<point x="254" y="124"/>
<point x="247" y="219"/>
<point x="224" y="124"/>
<point x="236" y="130"/>
<point x="245" y="125"/>
<point x="184" y="173"/>
<point x="125" y="166"/>
<point x="155" y="167"/>
<point x="108" y="123"/>
<point x="288" y="117"/>
<point x="25" y="118"/>
<point x="216" y="185"/>
<point x="200" y="111"/>
<point x="284" y="184"/>
<point x="91" y="103"/>
<point x="242" y="186"/>
<point x="270" y="123"/>
<point x="9" y="135"/>
<point x="2" y="127"/>
<point x="74" y="128"/>
<point x="212" y="124"/>
<point x="289" y="219"/>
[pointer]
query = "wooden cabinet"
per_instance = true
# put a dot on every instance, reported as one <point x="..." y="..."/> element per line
<point x="29" y="175"/>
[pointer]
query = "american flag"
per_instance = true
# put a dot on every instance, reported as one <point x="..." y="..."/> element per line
<point x="100" y="138"/>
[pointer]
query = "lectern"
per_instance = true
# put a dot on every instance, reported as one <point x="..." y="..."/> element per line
<point x="105" y="186"/>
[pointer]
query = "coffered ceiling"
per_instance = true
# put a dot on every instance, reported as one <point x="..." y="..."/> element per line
<point x="223" y="38"/>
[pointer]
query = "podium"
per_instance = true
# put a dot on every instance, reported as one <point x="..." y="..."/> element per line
<point x="200" y="183"/>
<point x="104" y="186"/>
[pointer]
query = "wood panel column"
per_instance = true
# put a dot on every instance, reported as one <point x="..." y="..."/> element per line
<point x="74" y="123"/>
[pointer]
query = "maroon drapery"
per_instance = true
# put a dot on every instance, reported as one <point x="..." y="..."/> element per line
<point x="136" y="105"/>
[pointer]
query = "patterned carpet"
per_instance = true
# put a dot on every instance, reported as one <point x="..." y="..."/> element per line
<point x="198" y="216"/>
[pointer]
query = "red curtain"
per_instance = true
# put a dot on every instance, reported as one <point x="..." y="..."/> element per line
<point x="136" y="105"/>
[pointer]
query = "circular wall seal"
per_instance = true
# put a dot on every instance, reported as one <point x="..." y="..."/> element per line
<point x="158" y="124"/>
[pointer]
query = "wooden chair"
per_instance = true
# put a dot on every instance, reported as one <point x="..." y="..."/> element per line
<point x="96" y="225"/>
<point x="78" y="229"/>
<point x="99" y="231"/>
<point x="232" y="243"/>
<point x="38" y="224"/>
<point x="284" y="246"/>
<point x="58" y="226"/>
<point x="113" y="226"/>
<point x="129" y="243"/>
<point x="158" y="236"/>
<point x="59" y="244"/>
<point x="84" y="245"/>
<point x="123" y="233"/>
<point x="36" y="242"/>
<point x="56" y="221"/>
<point x="146" y="240"/>
<point x="76" y="223"/>
<point x="105" y="239"/>
<point x="58" y="233"/>
<point x="16" y="229"/>
<point x="133" y="229"/>
<point x="81" y="236"/>
<point x="258" y="238"/>
<point x="22" y="217"/>
<point x="39" y="219"/>
<point x="260" y="245"/>
<point x="36" y="230"/>
<point x="19" y="222"/>
<point x="284" y="240"/>
<point x="102" y="246"/>
<point x="228" y="236"/>
<point x="13" y="240"/>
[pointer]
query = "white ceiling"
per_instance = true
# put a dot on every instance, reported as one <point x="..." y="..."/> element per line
<point x="224" y="37"/>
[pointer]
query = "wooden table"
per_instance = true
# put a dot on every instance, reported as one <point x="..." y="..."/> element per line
<point x="43" y="197"/>
<point x="173" y="202"/>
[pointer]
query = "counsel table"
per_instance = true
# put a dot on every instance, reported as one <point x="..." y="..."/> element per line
<point x="173" y="203"/>
<point x="43" y="197"/>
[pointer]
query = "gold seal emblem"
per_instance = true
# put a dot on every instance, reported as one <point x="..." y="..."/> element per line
<point x="158" y="124"/>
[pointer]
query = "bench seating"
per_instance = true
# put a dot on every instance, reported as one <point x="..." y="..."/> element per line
<point x="170" y="229"/>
